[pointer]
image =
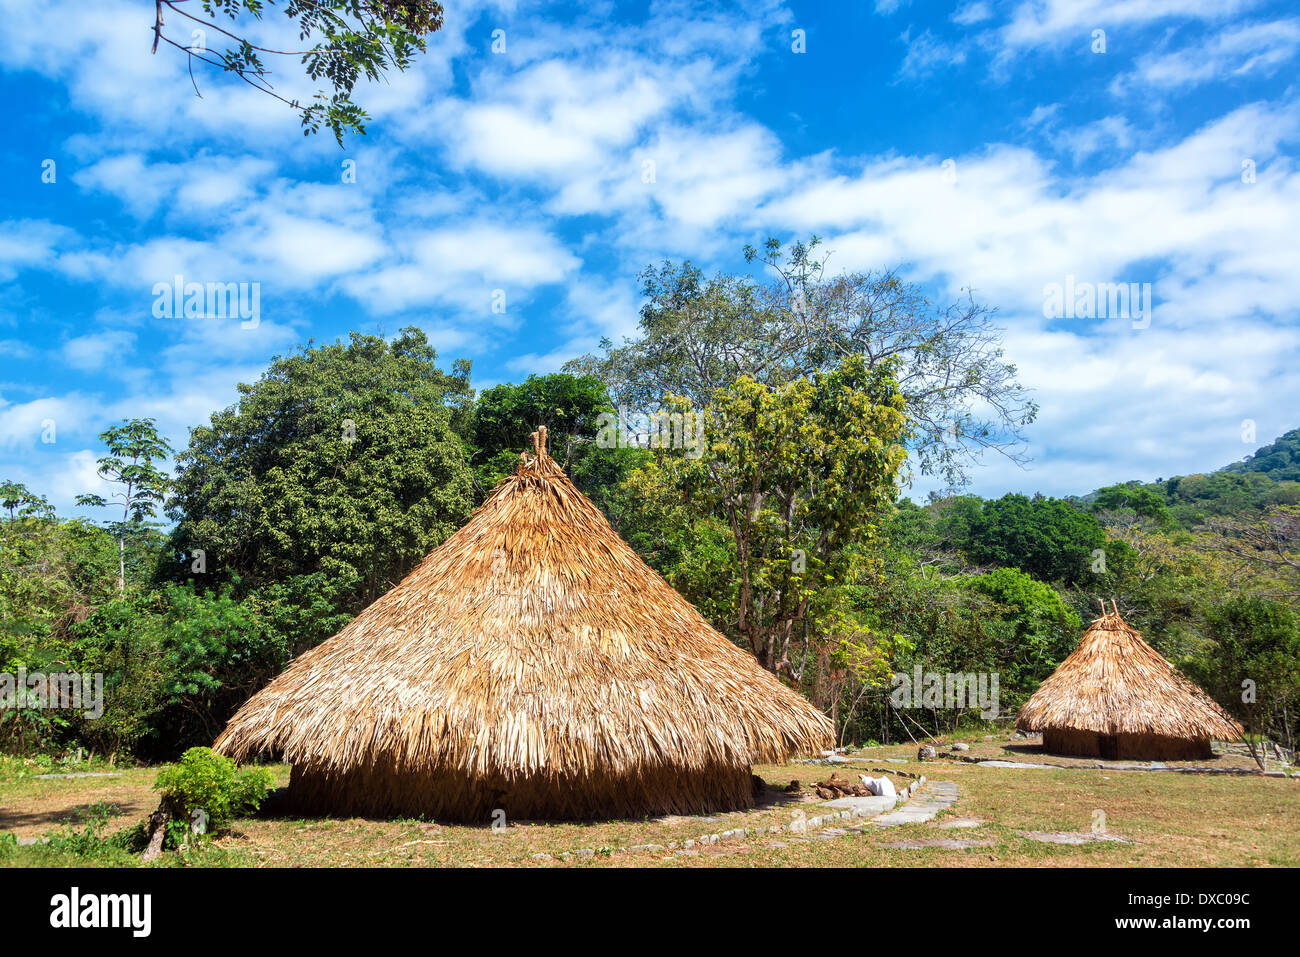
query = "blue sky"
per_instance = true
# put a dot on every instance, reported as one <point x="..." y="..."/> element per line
<point x="522" y="171"/>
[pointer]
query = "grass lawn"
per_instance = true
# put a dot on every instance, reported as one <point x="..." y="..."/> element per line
<point x="1172" y="820"/>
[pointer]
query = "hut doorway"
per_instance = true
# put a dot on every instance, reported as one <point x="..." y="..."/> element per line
<point x="1108" y="747"/>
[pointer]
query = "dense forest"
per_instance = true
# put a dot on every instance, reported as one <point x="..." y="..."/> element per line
<point x="788" y="528"/>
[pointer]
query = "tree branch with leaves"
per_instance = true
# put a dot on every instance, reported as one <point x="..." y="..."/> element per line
<point x="342" y="41"/>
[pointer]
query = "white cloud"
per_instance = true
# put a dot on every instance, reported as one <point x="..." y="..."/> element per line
<point x="1036" y="22"/>
<point x="94" y="351"/>
<point x="16" y="349"/>
<point x="926" y="53"/>
<point x="26" y="243"/>
<point x="1256" y="48"/>
<point x="973" y="11"/>
<point x="530" y="178"/>
<point x="464" y="265"/>
<point x="28" y="425"/>
<point x="1110" y="132"/>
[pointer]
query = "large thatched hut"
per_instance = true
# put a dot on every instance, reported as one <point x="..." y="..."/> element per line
<point x="532" y="663"/>
<point x="1115" y="697"/>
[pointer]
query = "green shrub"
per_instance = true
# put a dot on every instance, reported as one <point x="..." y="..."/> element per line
<point x="204" y="781"/>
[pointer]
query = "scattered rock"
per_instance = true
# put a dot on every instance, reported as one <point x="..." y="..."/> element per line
<point x="961" y="747"/>
<point x="926" y="753"/>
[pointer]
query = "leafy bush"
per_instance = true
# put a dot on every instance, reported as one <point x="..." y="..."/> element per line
<point x="177" y="663"/>
<point x="204" y="781"/>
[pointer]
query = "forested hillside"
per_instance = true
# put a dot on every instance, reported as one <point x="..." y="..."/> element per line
<point x="1279" y="460"/>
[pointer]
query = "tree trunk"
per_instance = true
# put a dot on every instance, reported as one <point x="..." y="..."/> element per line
<point x="157" y="827"/>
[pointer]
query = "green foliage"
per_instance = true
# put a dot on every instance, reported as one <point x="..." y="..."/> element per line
<point x="698" y="335"/>
<point x="798" y="474"/>
<point x="1140" y="500"/>
<point x="343" y="460"/>
<point x="204" y="781"/>
<point x="1046" y="537"/>
<point x="176" y="665"/>
<point x="569" y="406"/>
<point x="1195" y="498"/>
<point x="1280" y="460"/>
<point x="21" y="502"/>
<point x="694" y="551"/>
<point x="341" y="42"/>
<point x="1255" y="639"/>
<point x="133" y="449"/>
<point x="91" y="842"/>
<point x="51" y="574"/>
<point x="1033" y="629"/>
<point x="303" y="610"/>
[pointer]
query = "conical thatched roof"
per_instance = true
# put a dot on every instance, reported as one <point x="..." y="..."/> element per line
<point x="532" y="648"/>
<point x="1115" y="683"/>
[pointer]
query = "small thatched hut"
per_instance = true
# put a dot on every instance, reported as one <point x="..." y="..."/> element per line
<point x="532" y="663"/>
<point x="1115" y="697"/>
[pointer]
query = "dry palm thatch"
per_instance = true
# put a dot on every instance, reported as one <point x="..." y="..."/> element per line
<point x="1115" y="696"/>
<point x="532" y="663"/>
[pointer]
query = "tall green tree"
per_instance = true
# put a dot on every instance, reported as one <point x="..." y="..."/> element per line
<point x="505" y="415"/>
<point x="1038" y="630"/>
<point x="798" y="473"/>
<point x="20" y="501"/>
<point x="1251" y="664"/>
<point x="570" y="407"/>
<point x="698" y="334"/>
<point x="1046" y="537"/>
<point x="134" y="449"/>
<point x="343" y="459"/>
<point x="1114" y="503"/>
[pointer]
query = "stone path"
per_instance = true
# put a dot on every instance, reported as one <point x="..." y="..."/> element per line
<point x="940" y="796"/>
<point x="870" y="806"/>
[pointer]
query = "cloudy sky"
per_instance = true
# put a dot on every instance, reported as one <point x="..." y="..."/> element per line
<point x="998" y="147"/>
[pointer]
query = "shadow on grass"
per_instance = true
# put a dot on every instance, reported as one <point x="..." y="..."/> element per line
<point x="65" y="815"/>
<point x="279" y="806"/>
